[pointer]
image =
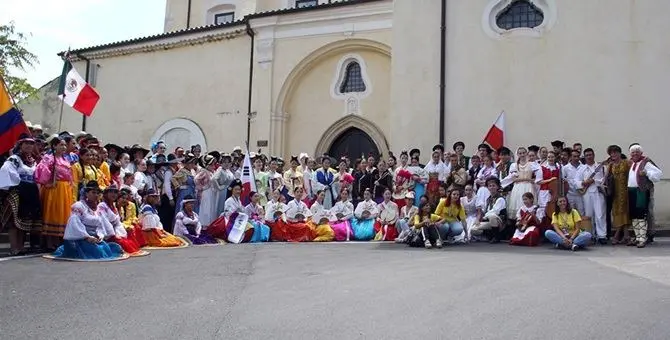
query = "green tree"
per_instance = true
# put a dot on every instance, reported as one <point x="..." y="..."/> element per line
<point x="15" y="56"/>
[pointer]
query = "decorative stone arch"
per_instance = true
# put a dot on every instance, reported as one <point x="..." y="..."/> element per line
<point x="194" y="130"/>
<point x="305" y="65"/>
<point x="352" y="121"/>
<point x="280" y="114"/>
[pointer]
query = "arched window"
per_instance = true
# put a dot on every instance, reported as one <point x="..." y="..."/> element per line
<point x="520" y="14"/>
<point x="353" y="79"/>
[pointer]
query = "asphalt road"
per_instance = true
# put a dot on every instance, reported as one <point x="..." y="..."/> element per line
<point x="343" y="291"/>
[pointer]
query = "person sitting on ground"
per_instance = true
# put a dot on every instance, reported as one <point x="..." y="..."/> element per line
<point x="489" y="216"/>
<point x="321" y="218"/>
<point x="406" y="218"/>
<point x="108" y="209"/>
<point x="344" y="212"/>
<point x="152" y="228"/>
<point x="526" y="233"/>
<point x="427" y="224"/>
<point x="86" y="230"/>
<point x="363" y="223"/>
<point x="187" y="224"/>
<point x="566" y="233"/>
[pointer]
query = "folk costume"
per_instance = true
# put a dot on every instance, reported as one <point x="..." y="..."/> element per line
<point x="188" y="225"/>
<point x="527" y="232"/>
<point x="640" y="196"/>
<point x="385" y="224"/>
<point x="54" y="174"/>
<point x="529" y="172"/>
<point x="321" y="219"/>
<point x="325" y="181"/>
<point x="207" y="192"/>
<point x="257" y="219"/>
<point x="593" y="198"/>
<point x="21" y="205"/>
<point x="344" y="213"/>
<point x="153" y="231"/>
<point x="118" y="232"/>
<point x="364" y="220"/>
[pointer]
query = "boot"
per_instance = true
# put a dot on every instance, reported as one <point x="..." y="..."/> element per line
<point x="495" y="236"/>
<point x="642" y="235"/>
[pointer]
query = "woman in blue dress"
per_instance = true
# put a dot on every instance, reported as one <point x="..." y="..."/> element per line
<point x="256" y="217"/>
<point x="184" y="181"/>
<point x="363" y="223"/>
<point x="86" y="231"/>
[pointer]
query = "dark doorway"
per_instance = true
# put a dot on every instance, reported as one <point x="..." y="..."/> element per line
<point x="354" y="143"/>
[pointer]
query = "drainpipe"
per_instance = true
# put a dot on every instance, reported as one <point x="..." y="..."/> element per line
<point x="188" y="15"/>
<point x="252" y="35"/>
<point x="443" y="67"/>
<point x="88" y="70"/>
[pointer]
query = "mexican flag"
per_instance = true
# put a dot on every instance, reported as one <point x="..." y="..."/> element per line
<point x="75" y="91"/>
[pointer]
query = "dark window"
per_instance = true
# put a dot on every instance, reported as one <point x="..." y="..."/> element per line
<point x="306" y="3"/>
<point x="520" y="13"/>
<point x="353" y="79"/>
<point x="223" y="18"/>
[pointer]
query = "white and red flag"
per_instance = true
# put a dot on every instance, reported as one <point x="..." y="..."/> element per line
<point x="248" y="180"/>
<point x="74" y="91"/>
<point x="495" y="138"/>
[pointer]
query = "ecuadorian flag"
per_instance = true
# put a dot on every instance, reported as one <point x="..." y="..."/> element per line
<point x="11" y="122"/>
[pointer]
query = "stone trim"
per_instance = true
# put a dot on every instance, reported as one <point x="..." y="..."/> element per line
<point x="548" y="8"/>
<point x="345" y="123"/>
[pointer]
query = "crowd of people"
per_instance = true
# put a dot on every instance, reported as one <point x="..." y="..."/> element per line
<point x="78" y="198"/>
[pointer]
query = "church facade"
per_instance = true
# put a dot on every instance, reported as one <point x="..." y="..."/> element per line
<point x="322" y="76"/>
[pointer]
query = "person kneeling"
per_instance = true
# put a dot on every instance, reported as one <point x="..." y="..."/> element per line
<point x="86" y="229"/>
<point x="492" y="211"/>
<point x="566" y="233"/>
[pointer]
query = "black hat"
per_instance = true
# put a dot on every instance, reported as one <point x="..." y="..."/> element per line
<point x="294" y="158"/>
<point x="112" y="188"/>
<point x="64" y="134"/>
<point x="119" y="150"/>
<point x="92" y="186"/>
<point x="190" y="158"/>
<point x="557" y="144"/>
<point x="227" y="156"/>
<point x="485" y="146"/>
<point x="457" y="144"/>
<point x="215" y="154"/>
<point x="414" y="151"/>
<point x="534" y="148"/>
<point x="151" y="192"/>
<point x="438" y="147"/>
<point x="187" y="199"/>
<point x="206" y="160"/>
<point x="25" y="138"/>
<point x="125" y="192"/>
<point x="136" y="148"/>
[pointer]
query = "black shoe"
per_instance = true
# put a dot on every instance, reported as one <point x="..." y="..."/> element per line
<point x="602" y="241"/>
<point x="650" y="239"/>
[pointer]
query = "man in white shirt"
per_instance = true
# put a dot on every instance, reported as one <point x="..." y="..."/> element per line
<point x="569" y="173"/>
<point x="592" y="177"/>
<point x="641" y="178"/>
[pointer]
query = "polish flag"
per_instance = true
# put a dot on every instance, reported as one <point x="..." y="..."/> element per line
<point x="248" y="180"/>
<point x="495" y="138"/>
<point x="74" y="91"/>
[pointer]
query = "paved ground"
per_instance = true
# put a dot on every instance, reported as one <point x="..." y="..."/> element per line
<point x="343" y="291"/>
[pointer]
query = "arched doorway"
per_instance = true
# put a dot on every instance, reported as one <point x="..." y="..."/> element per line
<point x="180" y="132"/>
<point x="354" y="143"/>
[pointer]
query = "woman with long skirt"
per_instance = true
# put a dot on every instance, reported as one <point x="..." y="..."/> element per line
<point x="296" y="228"/>
<point x="207" y="192"/>
<point x="527" y="232"/>
<point x="256" y="217"/>
<point x="20" y="211"/>
<point x="54" y="174"/>
<point x="275" y="211"/>
<point x="363" y="223"/>
<point x="321" y="218"/>
<point x="185" y="181"/>
<point x="221" y="180"/>
<point x="419" y="180"/>
<point x="152" y="228"/>
<point x="344" y="213"/>
<point x="385" y="225"/>
<point x="325" y="180"/>
<point x="469" y="204"/>
<point x="128" y="214"/>
<point x="187" y="224"/>
<point x="86" y="230"/>
<point x="107" y="208"/>
<point x="233" y="210"/>
<point x="523" y="174"/>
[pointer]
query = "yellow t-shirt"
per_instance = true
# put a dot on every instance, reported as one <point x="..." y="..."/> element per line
<point x="566" y="221"/>
<point x="417" y="220"/>
<point x="451" y="213"/>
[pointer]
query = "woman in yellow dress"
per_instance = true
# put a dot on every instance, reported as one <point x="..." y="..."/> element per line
<point x="618" y="169"/>
<point x="85" y="171"/>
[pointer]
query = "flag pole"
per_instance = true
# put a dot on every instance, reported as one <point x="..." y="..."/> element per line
<point x="62" y="100"/>
<point x="4" y="83"/>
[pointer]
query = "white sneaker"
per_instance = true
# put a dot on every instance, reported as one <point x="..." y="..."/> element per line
<point x="574" y="247"/>
<point x="427" y="244"/>
<point x="438" y="244"/>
